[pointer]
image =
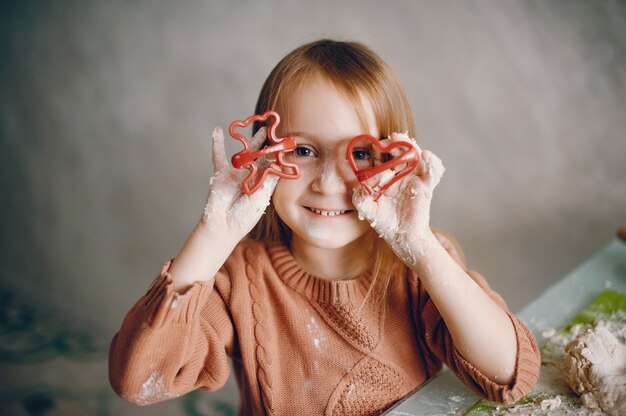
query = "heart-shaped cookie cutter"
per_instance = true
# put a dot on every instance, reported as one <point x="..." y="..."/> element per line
<point x="278" y="146"/>
<point x="410" y="157"/>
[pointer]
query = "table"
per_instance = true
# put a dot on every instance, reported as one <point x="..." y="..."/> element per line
<point x="444" y="394"/>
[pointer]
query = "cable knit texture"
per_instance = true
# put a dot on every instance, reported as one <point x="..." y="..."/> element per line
<point x="299" y="344"/>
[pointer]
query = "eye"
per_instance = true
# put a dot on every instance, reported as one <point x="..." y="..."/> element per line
<point x="361" y="154"/>
<point x="304" y="151"/>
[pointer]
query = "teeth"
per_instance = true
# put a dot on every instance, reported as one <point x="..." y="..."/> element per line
<point x="327" y="213"/>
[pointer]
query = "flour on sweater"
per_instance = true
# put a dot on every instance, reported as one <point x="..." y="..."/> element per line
<point x="152" y="390"/>
<point x="298" y="342"/>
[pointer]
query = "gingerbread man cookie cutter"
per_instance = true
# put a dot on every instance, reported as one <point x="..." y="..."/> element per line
<point x="277" y="146"/>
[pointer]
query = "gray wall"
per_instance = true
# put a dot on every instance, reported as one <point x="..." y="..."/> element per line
<point x="106" y="109"/>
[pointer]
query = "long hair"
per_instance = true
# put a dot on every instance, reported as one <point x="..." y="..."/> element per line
<point x="357" y="72"/>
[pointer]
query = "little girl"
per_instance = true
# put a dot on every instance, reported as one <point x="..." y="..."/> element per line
<point x="336" y="302"/>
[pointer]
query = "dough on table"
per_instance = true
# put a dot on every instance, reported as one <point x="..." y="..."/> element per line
<point x="595" y="368"/>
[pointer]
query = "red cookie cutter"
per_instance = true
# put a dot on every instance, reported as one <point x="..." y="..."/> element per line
<point x="410" y="157"/>
<point x="278" y="146"/>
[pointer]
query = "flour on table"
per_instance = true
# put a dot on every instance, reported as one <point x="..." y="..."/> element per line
<point x="553" y="395"/>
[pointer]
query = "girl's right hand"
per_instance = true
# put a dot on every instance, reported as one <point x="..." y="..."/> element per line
<point x="228" y="209"/>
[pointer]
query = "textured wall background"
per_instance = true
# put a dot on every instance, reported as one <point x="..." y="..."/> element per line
<point x="106" y="109"/>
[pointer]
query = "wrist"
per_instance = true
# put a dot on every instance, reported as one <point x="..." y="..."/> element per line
<point x="427" y="256"/>
<point x="206" y="249"/>
<point x="423" y="243"/>
<point x="212" y="231"/>
<point x="415" y="250"/>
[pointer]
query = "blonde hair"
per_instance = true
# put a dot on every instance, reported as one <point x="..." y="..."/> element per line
<point x="357" y="72"/>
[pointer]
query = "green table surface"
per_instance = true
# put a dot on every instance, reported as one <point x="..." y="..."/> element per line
<point x="444" y="394"/>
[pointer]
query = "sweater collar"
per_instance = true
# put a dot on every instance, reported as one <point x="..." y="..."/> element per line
<point x="315" y="287"/>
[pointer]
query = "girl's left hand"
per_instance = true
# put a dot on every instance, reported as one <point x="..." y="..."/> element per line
<point x="402" y="214"/>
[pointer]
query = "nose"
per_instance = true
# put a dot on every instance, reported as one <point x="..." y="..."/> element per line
<point x="330" y="180"/>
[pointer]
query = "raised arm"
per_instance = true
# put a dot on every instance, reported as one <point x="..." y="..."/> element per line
<point x="481" y="329"/>
<point x="228" y="216"/>
<point x="177" y="337"/>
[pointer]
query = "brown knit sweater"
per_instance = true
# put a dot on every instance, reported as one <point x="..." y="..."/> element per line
<point x="297" y="342"/>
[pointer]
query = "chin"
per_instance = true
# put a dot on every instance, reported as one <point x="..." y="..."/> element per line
<point x="332" y="242"/>
<point x="329" y="244"/>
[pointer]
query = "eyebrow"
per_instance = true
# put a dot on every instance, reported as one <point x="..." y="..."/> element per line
<point x="308" y="136"/>
<point x="299" y="134"/>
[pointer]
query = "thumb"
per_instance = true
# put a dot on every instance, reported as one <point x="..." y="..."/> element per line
<point x="261" y="198"/>
<point x="364" y="204"/>
<point x="258" y="139"/>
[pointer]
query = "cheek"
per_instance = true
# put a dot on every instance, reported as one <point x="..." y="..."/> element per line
<point x="309" y="172"/>
<point x="286" y="193"/>
<point x="345" y="170"/>
<point x="310" y="168"/>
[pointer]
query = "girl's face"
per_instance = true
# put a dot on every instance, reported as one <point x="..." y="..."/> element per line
<point x="317" y="207"/>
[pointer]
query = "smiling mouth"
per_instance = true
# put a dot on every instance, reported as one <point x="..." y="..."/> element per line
<point x="327" y="213"/>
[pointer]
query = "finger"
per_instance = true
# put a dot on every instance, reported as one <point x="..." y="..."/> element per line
<point x="433" y="161"/>
<point x="394" y="138"/>
<point x="404" y="137"/>
<point x="364" y="204"/>
<point x="423" y="167"/>
<point x="257" y="140"/>
<point x="436" y="167"/>
<point x="219" y="153"/>
<point x="369" y="209"/>
<point x="382" y="178"/>
<point x="377" y="154"/>
<point x="261" y="198"/>
<point x="266" y="161"/>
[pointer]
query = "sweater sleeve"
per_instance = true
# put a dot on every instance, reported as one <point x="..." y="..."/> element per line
<point x="170" y="344"/>
<point x="439" y="341"/>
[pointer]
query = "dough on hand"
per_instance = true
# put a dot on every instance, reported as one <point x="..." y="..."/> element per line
<point x="595" y="368"/>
